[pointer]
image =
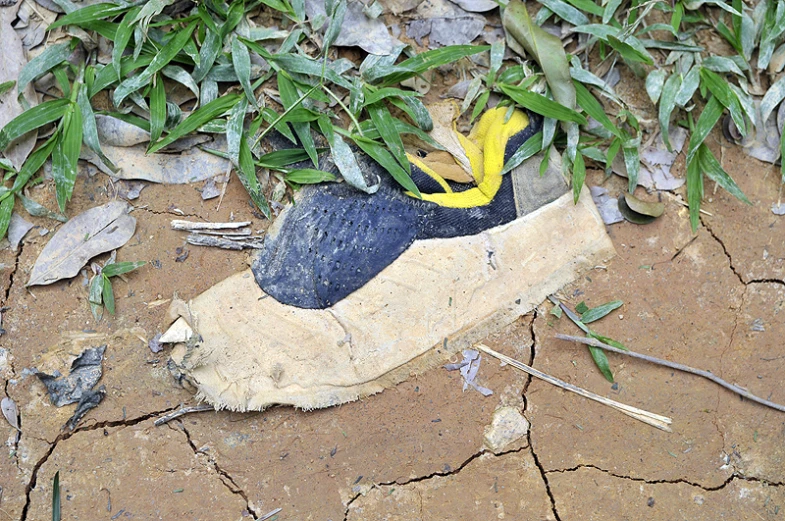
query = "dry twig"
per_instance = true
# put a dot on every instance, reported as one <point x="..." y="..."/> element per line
<point x="673" y="365"/>
<point x="166" y="418"/>
<point x="655" y="420"/>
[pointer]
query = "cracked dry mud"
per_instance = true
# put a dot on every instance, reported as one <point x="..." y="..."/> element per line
<point x="416" y="451"/>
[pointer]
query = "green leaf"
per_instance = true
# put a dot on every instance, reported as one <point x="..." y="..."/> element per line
<point x="601" y="361"/>
<point x="383" y="121"/>
<point x="594" y="314"/>
<point x="308" y="176"/>
<point x="632" y="162"/>
<point x="280" y="158"/>
<point x="196" y="119"/>
<point x="593" y="108"/>
<point x="38" y="210"/>
<point x="6" y="209"/>
<point x="610" y="10"/>
<point x="89" y="127"/>
<point x="241" y="60"/>
<point x="712" y="168"/>
<point x="386" y="92"/>
<point x="688" y="87"/>
<point x="581" y="308"/>
<point x="479" y="107"/>
<point x="157" y="109"/>
<point x="694" y="191"/>
<point x="96" y="296"/>
<point x="670" y="46"/>
<point x="655" y="81"/>
<point x="529" y="148"/>
<point x="630" y="52"/>
<point x="422" y="62"/>
<point x="108" y="294"/>
<point x="772" y="99"/>
<point x="247" y="175"/>
<point x="34" y="162"/>
<point x="565" y="11"/>
<point x="382" y="156"/>
<point x="56" y="516"/>
<point x="334" y="28"/>
<point x="209" y="51"/>
<point x="52" y="56"/>
<point x="706" y="122"/>
<point x="119" y="268"/>
<point x="65" y="156"/>
<point x="290" y="99"/>
<point x="124" y="32"/>
<point x="234" y="130"/>
<point x="31" y="119"/>
<point x="719" y="87"/>
<point x="415" y="109"/>
<point x="179" y="75"/>
<point x="578" y="176"/>
<point x="161" y="59"/>
<point x="542" y="105"/>
<point x="667" y="103"/>
<point x="546" y="49"/>
<point x="90" y="13"/>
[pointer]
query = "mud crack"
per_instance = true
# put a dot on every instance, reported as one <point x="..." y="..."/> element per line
<point x="11" y="277"/>
<point x="225" y="478"/>
<point x="65" y="435"/>
<point x="733" y="477"/>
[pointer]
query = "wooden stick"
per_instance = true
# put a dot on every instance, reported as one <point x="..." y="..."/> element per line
<point x="166" y="418"/>
<point x="673" y="365"/>
<point x="178" y="224"/>
<point x="655" y="420"/>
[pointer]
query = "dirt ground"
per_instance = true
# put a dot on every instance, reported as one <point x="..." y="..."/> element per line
<point x="417" y="451"/>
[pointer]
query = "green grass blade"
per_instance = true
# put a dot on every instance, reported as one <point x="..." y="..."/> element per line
<point x="34" y="162"/>
<point x="694" y="192"/>
<point x="578" y="176"/>
<point x="199" y="117"/>
<point x="712" y="168"/>
<point x="667" y="104"/>
<point x="344" y="159"/>
<point x="182" y="77"/>
<point x="157" y="109"/>
<point x="601" y="361"/>
<point x="6" y="209"/>
<point x="291" y="99"/>
<point x="56" y="515"/>
<point x="719" y="87"/>
<point x="247" y="175"/>
<point x="241" y="60"/>
<point x="593" y="108"/>
<point x="542" y="105"/>
<point x="31" y="119"/>
<point x="384" y="93"/>
<point x="308" y="176"/>
<point x="161" y="59"/>
<point x="529" y="148"/>
<point x="65" y="157"/>
<point x="108" y="294"/>
<point x="281" y="158"/>
<point x="90" y="13"/>
<point x="90" y="129"/>
<point x="383" y="121"/>
<point x="96" y="296"/>
<point x="594" y="314"/>
<point x="211" y="48"/>
<point x="123" y="36"/>
<point x="382" y="156"/>
<point x="706" y="122"/>
<point x="566" y="12"/>
<point x="427" y="60"/>
<point x="632" y="162"/>
<point x="630" y="52"/>
<point x="52" y="56"/>
<point x="234" y="130"/>
<point x="689" y="85"/>
<point x="119" y="268"/>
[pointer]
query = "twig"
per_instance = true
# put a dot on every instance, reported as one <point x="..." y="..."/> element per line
<point x="673" y="365"/>
<point x="228" y="243"/>
<point x="270" y="514"/>
<point x="178" y="224"/>
<point x="166" y="418"/>
<point x="655" y="420"/>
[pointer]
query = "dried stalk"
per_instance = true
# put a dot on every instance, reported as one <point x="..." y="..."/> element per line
<point x="166" y="418"/>
<point x="673" y="365"/>
<point x="655" y="420"/>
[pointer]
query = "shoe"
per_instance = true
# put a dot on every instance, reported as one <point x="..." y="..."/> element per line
<point x="353" y="293"/>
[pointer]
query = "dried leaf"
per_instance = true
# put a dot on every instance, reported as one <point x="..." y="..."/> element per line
<point x="630" y="215"/>
<point x="10" y="412"/>
<point x="357" y="29"/>
<point x="17" y="230"/>
<point x="607" y="206"/>
<point x="90" y="233"/>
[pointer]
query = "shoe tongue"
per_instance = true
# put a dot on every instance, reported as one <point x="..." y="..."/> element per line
<point x="531" y="190"/>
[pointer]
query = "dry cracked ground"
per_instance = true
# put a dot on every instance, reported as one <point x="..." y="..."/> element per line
<point x="712" y="300"/>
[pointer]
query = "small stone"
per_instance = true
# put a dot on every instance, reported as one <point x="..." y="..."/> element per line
<point x="507" y="426"/>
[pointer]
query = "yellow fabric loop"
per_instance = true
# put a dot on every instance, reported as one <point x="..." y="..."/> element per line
<point x="429" y="172"/>
<point x="485" y="147"/>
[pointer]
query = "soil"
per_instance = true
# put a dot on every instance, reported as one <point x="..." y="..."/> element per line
<point x="711" y="300"/>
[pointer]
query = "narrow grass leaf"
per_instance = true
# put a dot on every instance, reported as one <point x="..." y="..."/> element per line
<point x="578" y="176"/>
<point x="601" y="361"/>
<point x="281" y="158"/>
<point x="120" y="268"/>
<point x="655" y="81"/>
<point x="610" y="10"/>
<point x="386" y="92"/>
<point x="89" y="127"/>
<point x="529" y="148"/>
<point x="107" y="75"/>
<point x="706" y="122"/>
<point x="6" y="209"/>
<point x="247" y="175"/>
<point x="270" y="116"/>
<point x="667" y="104"/>
<point x="719" y="87"/>
<point x="90" y="13"/>
<point x="108" y="294"/>
<point x="383" y="121"/>
<point x="241" y="60"/>
<point x="65" y="157"/>
<point x="308" y="176"/>
<point x="670" y="46"/>
<point x="96" y="298"/>
<point x="422" y="62"/>
<point x="594" y="314"/>
<point x="234" y="130"/>
<point x="161" y="59"/>
<point x="566" y="12"/>
<point x="594" y="109"/>
<point x="415" y="109"/>
<point x="479" y="107"/>
<point x="182" y="77"/>
<point x="290" y="99"/>
<point x="632" y="162"/>
<point x="772" y="99"/>
<point x="694" y="191"/>
<point x="31" y="119"/>
<point x="630" y="52"/>
<point x="722" y="64"/>
<point x="588" y="6"/>
<point x="334" y="28"/>
<point x="209" y="51"/>
<point x="34" y="162"/>
<point x="157" y="109"/>
<point x="345" y="160"/>
<point x="542" y="105"/>
<point x="689" y="85"/>
<point x="714" y="171"/>
<point x="56" y="514"/>
<point x="122" y="38"/>
<point x="52" y="56"/>
<point x="382" y="156"/>
<point x="196" y="119"/>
